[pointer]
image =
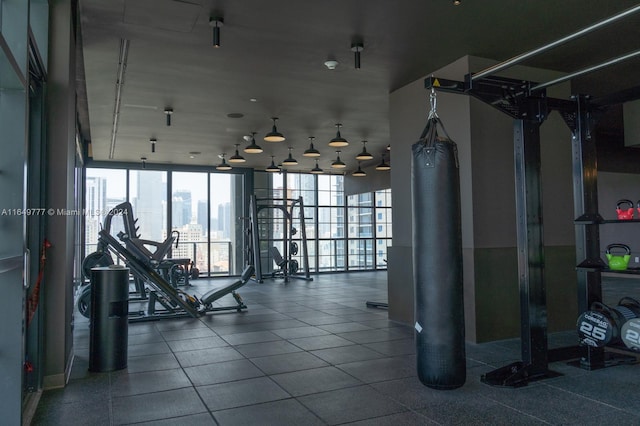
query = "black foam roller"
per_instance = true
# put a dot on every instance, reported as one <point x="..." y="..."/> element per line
<point x="437" y="260"/>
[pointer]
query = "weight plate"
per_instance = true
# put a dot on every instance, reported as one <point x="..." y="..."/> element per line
<point x="94" y="260"/>
<point x="594" y="329"/>
<point x="631" y="334"/>
<point x="293" y="248"/>
<point x="293" y="266"/>
<point x="84" y="301"/>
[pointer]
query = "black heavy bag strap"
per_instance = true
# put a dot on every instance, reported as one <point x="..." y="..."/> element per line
<point x="437" y="260"/>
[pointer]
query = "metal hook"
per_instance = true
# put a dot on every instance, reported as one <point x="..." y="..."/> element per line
<point x="433" y="104"/>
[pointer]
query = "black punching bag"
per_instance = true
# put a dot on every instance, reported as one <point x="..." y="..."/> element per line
<point x="437" y="261"/>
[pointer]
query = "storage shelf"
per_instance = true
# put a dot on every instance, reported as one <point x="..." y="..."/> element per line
<point x="586" y="221"/>
<point x="629" y="271"/>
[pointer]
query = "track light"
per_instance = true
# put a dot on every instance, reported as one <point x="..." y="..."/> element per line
<point x="253" y="147"/>
<point x="144" y="162"/>
<point x="237" y="158"/>
<point x="338" y="163"/>
<point x="153" y="144"/>
<point x="224" y="165"/>
<point x="272" y="167"/>
<point x="216" y="23"/>
<point x="168" y="112"/>
<point x="457" y="2"/>
<point x="359" y="172"/>
<point x="274" y="135"/>
<point x="356" y="48"/>
<point x="383" y="166"/>
<point x="312" y="151"/>
<point x="290" y="161"/>
<point x="316" y="170"/>
<point x="364" y="155"/>
<point x="338" y="141"/>
<point x="389" y="147"/>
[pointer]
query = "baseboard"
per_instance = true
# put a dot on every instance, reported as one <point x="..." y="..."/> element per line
<point x="29" y="406"/>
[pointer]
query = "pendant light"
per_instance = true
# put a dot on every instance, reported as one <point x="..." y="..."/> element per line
<point x="237" y="158"/>
<point x="364" y="155"/>
<point x="224" y="165"/>
<point x="312" y="151"/>
<point x="290" y="161"/>
<point x="253" y="147"/>
<point x="153" y="144"/>
<point x="272" y="167"/>
<point x="274" y="135"/>
<point x="338" y="141"/>
<point x="144" y="162"/>
<point x="383" y="166"/>
<point x="359" y="172"/>
<point x="338" y="163"/>
<point x="317" y="170"/>
<point x="216" y="23"/>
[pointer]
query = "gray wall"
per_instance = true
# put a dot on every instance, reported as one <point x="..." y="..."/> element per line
<point x="484" y="137"/>
<point x="58" y="294"/>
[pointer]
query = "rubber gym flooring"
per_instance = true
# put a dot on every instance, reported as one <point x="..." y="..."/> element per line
<point x="311" y="353"/>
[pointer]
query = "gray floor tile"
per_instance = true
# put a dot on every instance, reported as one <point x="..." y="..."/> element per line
<point x="86" y="412"/>
<point x="194" y="333"/>
<point x="140" y="339"/>
<point x="179" y="324"/>
<point x="148" y="349"/>
<point x="401" y="419"/>
<point x="204" y="419"/>
<point x="372" y="336"/>
<point x="220" y="372"/>
<point x="346" y="354"/>
<point x="241" y="393"/>
<point x="150" y="381"/>
<point x="156" y="406"/>
<point x="251" y="337"/>
<point x="297" y="332"/>
<point x="267" y="348"/>
<point x="320" y="342"/>
<point x="193" y="344"/>
<point x="139" y="364"/>
<point x="313" y="381"/>
<point x="278" y="413"/>
<point x="207" y="356"/>
<point x="394" y="347"/>
<point x="348" y="405"/>
<point x="344" y="327"/>
<point x="378" y="370"/>
<point x="284" y="363"/>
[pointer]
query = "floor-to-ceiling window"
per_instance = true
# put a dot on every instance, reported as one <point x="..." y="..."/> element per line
<point x="189" y="216"/>
<point x="104" y="189"/>
<point x="330" y="219"/>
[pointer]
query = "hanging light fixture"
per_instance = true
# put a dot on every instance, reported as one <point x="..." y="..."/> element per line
<point x="237" y="158"/>
<point x="224" y="165"/>
<point x="316" y="170"/>
<point x="153" y="144"/>
<point x="144" y="162"/>
<point x="364" y="155"/>
<point x="216" y="23"/>
<point x="359" y="172"/>
<point x="290" y="161"/>
<point x="383" y="165"/>
<point x="338" y="163"/>
<point x="253" y="147"/>
<point x="312" y="151"/>
<point x="338" y="141"/>
<point x="274" y="135"/>
<point x="168" y="112"/>
<point x="272" y="167"/>
<point x="356" y="48"/>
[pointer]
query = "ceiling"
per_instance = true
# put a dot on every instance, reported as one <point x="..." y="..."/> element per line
<point x="274" y="52"/>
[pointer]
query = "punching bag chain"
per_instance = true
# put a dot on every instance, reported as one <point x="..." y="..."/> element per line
<point x="433" y="103"/>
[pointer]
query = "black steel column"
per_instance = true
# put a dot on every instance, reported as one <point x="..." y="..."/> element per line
<point x="585" y="202"/>
<point x="533" y="301"/>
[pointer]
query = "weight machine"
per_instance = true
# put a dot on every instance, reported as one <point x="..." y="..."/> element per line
<point x="526" y="102"/>
<point x="265" y="230"/>
<point x="143" y="265"/>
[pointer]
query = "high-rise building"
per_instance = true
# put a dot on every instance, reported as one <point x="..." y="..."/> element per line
<point x="181" y="210"/>
<point x="202" y="216"/>
<point x="224" y="220"/>
<point x="150" y="203"/>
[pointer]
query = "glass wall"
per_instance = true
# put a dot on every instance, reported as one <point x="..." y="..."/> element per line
<point x="104" y="189"/>
<point x="205" y="208"/>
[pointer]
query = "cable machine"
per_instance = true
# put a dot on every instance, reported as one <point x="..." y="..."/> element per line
<point x="526" y="102"/>
<point x="272" y="225"/>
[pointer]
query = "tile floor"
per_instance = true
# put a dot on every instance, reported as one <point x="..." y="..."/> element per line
<point x="311" y="353"/>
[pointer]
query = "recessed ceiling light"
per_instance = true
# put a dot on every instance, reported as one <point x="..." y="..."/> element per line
<point x="253" y="100"/>
<point x="195" y="152"/>
<point x="235" y="115"/>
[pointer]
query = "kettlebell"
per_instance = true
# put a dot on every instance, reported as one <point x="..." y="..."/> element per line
<point x="618" y="262"/>
<point x="624" y="209"/>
